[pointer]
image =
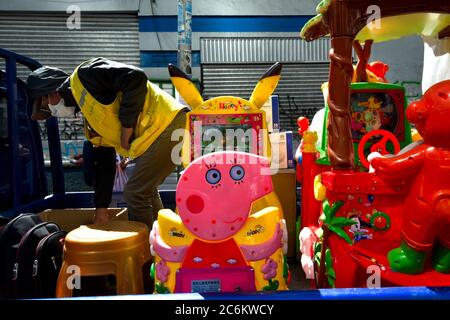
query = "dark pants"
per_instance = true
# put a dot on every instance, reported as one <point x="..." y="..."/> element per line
<point x="99" y="169"/>
<point x="151" y="169"/>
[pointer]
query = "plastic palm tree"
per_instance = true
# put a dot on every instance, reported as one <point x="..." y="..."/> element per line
<point x="331" y="224"/>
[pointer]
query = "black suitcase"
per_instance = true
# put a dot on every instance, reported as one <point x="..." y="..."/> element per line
<point x="3" y="222"/>
<point x="47" y="264"/>
<point x="25" y="257"/>
<point x="10" y="236"/>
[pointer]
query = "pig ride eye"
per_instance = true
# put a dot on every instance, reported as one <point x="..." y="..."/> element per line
<point x="237" y="173"/>
<point x="213" y="176"/>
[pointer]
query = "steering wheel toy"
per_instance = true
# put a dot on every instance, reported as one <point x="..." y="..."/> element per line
<point x="379" y="146"/>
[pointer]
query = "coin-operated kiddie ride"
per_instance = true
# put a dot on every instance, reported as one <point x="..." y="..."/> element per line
<point x="391" y="219"/>
<point x="228" y="233"/>
<point x="375" y="205"/>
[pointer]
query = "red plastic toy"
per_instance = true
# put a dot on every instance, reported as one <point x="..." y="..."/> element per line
<point x="379" y="147"/>
<point x="426" y="212"/>
<point x="379" y="69"/>
<point x="383" y="224"/>
<point x="354" y="221"/>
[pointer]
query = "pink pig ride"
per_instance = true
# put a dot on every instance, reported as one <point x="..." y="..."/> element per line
<point x="214" y="200"/>
<point x="214" y="195"/>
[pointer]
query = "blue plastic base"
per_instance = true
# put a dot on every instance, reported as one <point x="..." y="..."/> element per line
<point x="397" y="293"/>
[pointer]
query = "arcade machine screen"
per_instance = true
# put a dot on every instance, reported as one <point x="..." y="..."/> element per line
<point x="216" y="132"/>
<point x="372" y="110"/>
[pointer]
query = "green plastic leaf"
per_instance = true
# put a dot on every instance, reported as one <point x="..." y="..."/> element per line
<point x="317" y="251"/>
<point x="160" y="288"/>
<point x="322" y="7"/>
<point x="285" y="268"/>
<point x="152" y="271"/>
<point x="322" y="217"/>
<point x="310" y="24"/>
<point x="329" y="264"/>
<point x="326" y="208"/>
<point x="331" y="274"/>
<point x="331" y="282"/>
<point x="341" y="233"/>
<point x="330" y="270"/>
<point x="336" y="206"/>
<point x="317" y="247"/>
<point x="275" y="284"/>
<point x="317" y="258"/>
<point x="328" y="259"/>
<point x="342" y="222"/>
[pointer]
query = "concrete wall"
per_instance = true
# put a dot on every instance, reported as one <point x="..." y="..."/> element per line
<point x="233" y="7"/>
<point x="62" y="5"/>
<point x="169" y="7"/>
<point x="405" y="60"/>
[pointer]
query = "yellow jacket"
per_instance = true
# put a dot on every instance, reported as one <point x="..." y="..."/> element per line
<point x="158" y="112"/>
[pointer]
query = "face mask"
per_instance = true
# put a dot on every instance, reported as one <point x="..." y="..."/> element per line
<point x="60" y="110"/>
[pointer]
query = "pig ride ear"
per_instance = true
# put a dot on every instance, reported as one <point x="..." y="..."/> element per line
<point x="185" y="87"/>
<point x="266" y="85"/>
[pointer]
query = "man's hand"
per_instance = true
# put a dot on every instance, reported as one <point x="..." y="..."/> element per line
<point x="124" y="163"/>
<point x="125" y="136"/>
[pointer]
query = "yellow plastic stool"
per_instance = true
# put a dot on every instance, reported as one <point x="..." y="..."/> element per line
<point x="120" y="248"/>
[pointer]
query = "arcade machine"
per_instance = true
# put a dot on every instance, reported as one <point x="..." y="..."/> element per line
<point x="228" y="233"/>
<point x="364" y="205"/>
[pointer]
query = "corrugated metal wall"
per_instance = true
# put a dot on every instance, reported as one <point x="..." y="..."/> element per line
<point x="46" y="37"/>
<point x="260" y="50"/>
<point x="298" y="89"/>
<point x="233" y="67"/>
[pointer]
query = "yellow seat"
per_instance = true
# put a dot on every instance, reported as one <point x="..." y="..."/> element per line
<point x="120" y="248"/>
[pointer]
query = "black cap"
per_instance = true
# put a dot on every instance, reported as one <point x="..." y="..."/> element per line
<point x="45" y="80"/>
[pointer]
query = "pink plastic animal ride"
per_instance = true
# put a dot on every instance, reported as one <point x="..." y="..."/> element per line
<point x="223" y="237"/>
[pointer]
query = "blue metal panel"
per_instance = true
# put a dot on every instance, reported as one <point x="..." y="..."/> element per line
<point x="11" y="59"/>
<point x="13" y="132"/>
<point x="394" y="293"/>
<point x="57" y="201"/>
<point x="39" y="153"/>
<point x="391" y="293"/>
<point x="249" y="24"/>
<point x="160" y="59"/>
<point x="76" y="200"/>
<point x="28" y="62"/>
<point x="225" y="23"/>
<point x="54" y="148"/>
